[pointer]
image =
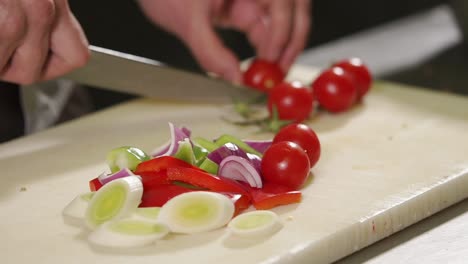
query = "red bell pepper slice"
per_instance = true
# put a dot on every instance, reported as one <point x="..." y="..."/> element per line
<point x="273" y="195"/>
<point x="161" y="163"/>
<point x="154" y="172"/>
<point x="241" y="202"/>
<point x="202" y="179"/>
<point x="158" y="195"/>
<point x="153" y="178"/>
<point x="95" y="184"/>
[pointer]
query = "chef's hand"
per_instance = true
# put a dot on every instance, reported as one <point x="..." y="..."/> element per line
<point x="276" y="28"/>
<point x="39" y="40"/>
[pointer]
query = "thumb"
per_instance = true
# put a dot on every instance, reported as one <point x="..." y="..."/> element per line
<point x="68" y="44"/>
<point x="211" y="53"/>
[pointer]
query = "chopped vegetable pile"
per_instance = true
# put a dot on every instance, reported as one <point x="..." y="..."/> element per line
<point x="194" y="184"/>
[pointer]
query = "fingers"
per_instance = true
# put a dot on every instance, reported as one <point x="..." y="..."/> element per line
<point x="249" y="17"/>
<point x="258" y="36"/>
<point x="278" y="29"/>
<point x="68" y="44"/>
<point x="27" y="62"/>
<point x="209" y="50"/>
<point x="13" y="27"/>
<point x="299" y="34"/>
<point x="281" y="16"/>
<point x="241" y="14"/>
<point x="40" y="39"/>
<point x="269" y="24"/>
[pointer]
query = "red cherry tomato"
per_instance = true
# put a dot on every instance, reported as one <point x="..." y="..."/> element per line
<point x="335" y="90"/>
<point x="292" y="101"/>
<point x="263" y="75"/>
<point x="304" y="136"/>
<point x="285" y="163"/>
<point x="360" y="74"/>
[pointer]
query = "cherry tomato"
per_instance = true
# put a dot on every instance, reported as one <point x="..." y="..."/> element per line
<point x="304" y="136"/>
<point x="263" y="75"/>
<point x="335" y="90"/>
<point x="360" y="74"/>
<point x="285" y="163"/>
<point x="292" y="101"/>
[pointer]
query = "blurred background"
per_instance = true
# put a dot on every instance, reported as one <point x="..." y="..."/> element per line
<point x="418" y="42"/>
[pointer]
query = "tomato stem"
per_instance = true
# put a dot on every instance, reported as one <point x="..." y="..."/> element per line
<point x="274" y="123"/>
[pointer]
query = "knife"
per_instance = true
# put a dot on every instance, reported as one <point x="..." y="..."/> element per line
<point x="113" y="70"/>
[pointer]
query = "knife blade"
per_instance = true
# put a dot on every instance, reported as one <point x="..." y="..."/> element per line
<point x="118" y="71"/>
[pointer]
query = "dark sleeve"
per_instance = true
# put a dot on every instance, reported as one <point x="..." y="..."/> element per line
<point x="460" y="9"/>
<point x="11" y="115"/>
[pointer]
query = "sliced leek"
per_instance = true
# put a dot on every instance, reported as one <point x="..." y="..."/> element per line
<point x="196" y="212"/>
<point x="127" y="233"/>
<point x="185" y="151"/>
<point x="147" y="213"/>
<point x="125" y="158"/>
<point x="115" y="200"/>
<point x="74" y="212"/>
<point x="209" y="166"/>
<point x="255" y="224"/>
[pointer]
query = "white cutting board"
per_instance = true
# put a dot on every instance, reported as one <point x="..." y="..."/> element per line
<point x="396" y="159"/>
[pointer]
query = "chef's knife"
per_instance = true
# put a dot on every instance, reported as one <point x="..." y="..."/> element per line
<point x="127" y="73"/>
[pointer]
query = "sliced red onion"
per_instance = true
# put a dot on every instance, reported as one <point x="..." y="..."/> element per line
<point x="256" y="161"/>
<point x="171" y="147"/>
<point x="187" y="131"/>
<point x="259" y="145"/>
<point x="240" y="169"/>
<point x="161" y="149"/>
<point x="231" y="149"/>
<point x="105" y="178"/>
<point x="226" y="150"/>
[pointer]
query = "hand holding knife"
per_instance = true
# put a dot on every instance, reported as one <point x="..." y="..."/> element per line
<point x="136" y="75"/>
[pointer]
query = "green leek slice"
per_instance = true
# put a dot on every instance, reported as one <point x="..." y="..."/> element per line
<point x="200" y="153"/>
<point x="209" y="166"/>
<point x="127" y="233"/>
<point x="205" y="143"/>
<point x="74" y="212"/>
<point x="185" y="151"/>
<point x="115" y="200"/>
<point x="255" y="223"/>
<point x="197" y="211"/>
<point x="223" y="139"/>
<point x="147" y="213"/>
<point x="125" y="157"/>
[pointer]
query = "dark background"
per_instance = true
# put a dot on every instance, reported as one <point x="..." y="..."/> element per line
<point x="120" y="25"/>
